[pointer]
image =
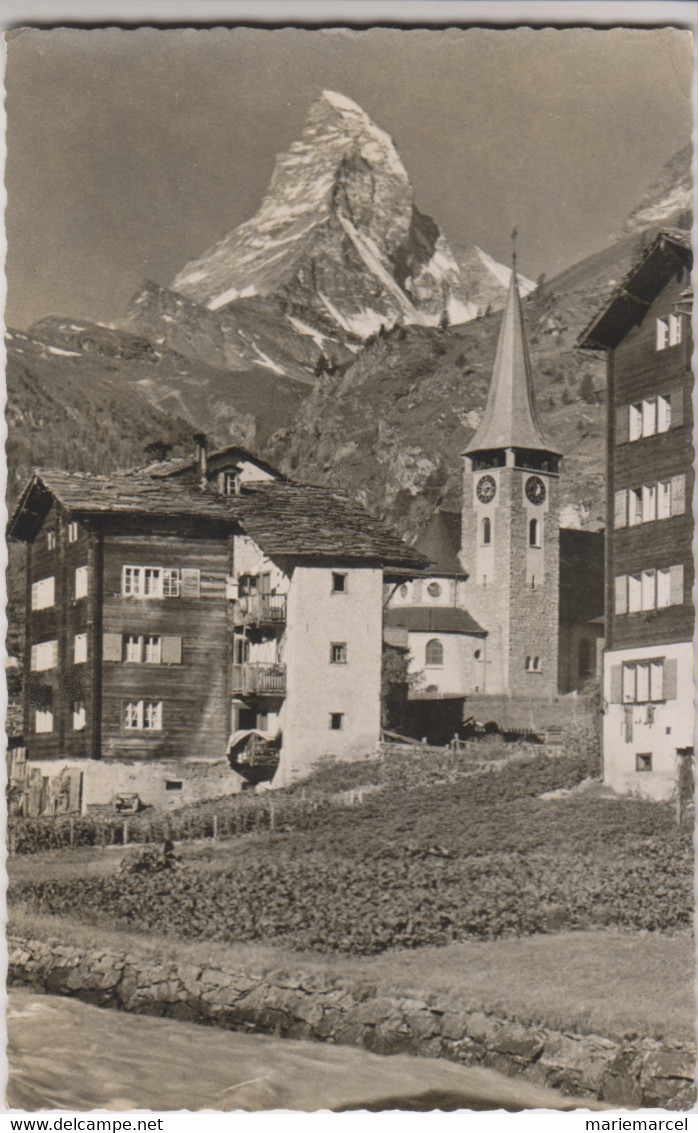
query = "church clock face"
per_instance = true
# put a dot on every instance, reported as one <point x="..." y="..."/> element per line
<point x="486" y="489"/>
<point x="535" y="490"/>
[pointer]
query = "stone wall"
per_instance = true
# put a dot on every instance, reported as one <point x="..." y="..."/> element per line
<point x="628" y="1071"/>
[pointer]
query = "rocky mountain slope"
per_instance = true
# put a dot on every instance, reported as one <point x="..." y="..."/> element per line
<point x="337" y="250"/>
<point x="392" y="426"/>
<point x="669" y="199"/>
<point x="82" y="395"/>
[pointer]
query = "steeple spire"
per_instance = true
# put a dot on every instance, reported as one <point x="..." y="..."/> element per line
<point x="511" y="419"/>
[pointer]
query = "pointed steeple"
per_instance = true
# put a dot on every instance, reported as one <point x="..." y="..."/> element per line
<point x="511" y="419"/>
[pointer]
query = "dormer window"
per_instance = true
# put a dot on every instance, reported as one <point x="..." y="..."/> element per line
<point x="231" y="483"/>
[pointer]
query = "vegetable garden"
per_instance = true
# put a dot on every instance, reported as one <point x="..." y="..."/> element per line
<point x="483" y="856"/>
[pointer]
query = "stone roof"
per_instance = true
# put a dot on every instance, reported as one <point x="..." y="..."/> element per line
<point x="297" y="520"/>
<point x="433" y="619"/>
<point x="511" y="419"/>
<point x="302" y="519"/>
<point x="670" y="249"/>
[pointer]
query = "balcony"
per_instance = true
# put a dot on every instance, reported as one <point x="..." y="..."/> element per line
<point x="260" y="609"/>
<point x="260" y="678"/>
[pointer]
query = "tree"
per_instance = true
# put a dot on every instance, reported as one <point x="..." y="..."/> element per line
<point x="394" y="687"/>
<point x="158" y="450"/>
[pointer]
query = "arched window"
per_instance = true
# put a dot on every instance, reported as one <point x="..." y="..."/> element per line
<point x="584" y="658"/>
<point x="533" y="534"/>
<point x="486" y="531"/>
<point x="434" y="655"/>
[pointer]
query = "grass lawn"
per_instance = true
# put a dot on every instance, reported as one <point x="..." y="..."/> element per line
<point x="604" y="981"/>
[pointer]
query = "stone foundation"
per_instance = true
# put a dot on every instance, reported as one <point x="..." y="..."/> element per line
<point x="640" y="1072"/>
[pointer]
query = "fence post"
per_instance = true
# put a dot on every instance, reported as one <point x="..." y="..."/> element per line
<point x="125" y="833"/>
<point x="71" y="827"/>
<point x="271" y="813"/>
<point x="215" y="827"/>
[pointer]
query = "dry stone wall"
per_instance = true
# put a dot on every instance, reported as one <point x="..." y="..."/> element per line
<point x="633" y="1071"/>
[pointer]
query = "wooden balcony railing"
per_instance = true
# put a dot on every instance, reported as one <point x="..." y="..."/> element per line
<point x="261" y="609"/>
<point x="259" y="677"/>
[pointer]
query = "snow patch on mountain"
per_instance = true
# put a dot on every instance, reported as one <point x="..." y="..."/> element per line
<point x="502" y="273"/>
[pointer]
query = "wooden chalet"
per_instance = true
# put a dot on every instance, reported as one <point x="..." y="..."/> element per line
<point x="172" y="608"/>
<point x="645" y="332"/>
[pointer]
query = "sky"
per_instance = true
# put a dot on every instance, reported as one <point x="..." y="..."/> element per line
<point x="131" y="152"/>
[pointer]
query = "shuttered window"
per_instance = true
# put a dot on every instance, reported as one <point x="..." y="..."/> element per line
<point x="43" y="593"/>
<point x="80" y="648"/>
<point x="664" y="499"/>
<point x="152" y="649"/>
<point x="634" y="593"/>
<point x="149" y="582"/>
<point x="648" y="590"/>
<point x="674" y="330"/>
<point x="647" y="680"/>
<point x="44" y="655"/>
<point x="43" y="720"/>
<point x="635" y="422"/>
<point x="79" y="715"/>
<point x="649" y="502"/>
<point x="663" y="414"/>
<point x="649" y="417"/>
<point x="663" y="589"/>
<point x="634" y="506"/>
<point x="80" y="582"/>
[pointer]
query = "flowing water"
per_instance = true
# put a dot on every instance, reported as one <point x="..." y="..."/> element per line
<point x="65" y="1054"/>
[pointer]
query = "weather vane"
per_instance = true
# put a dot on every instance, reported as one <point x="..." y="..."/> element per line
<point x="514" y="234"/>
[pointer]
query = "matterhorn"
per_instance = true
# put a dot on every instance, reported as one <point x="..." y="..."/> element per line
<point x="337" y="251"/>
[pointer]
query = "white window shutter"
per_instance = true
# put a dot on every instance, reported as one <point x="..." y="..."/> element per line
<point x="191" y="583"/>
<point x="676" y="398"/>
<point x="171" y="651"/>
<point x="621" y="606"/>
<point x="615" y="691"/>
<point x="669" y="689"/>
<point x="676" y="585"/>
<point x="112" y="647"/>
<point x="621" y="519"/>
<point x="678" y="494"/>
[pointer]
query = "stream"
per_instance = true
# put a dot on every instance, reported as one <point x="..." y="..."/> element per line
<point x="66" y="1054"/>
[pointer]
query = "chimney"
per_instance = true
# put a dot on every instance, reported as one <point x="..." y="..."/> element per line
<point x="201" y="456"/>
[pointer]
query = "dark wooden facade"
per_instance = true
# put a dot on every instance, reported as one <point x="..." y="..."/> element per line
<point x="193" y="691"/>
<point x="636" y="370"/>
<point x="192" y="683"/>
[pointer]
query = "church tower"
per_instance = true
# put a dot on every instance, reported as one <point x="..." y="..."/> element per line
<point x="510" y="527"/>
